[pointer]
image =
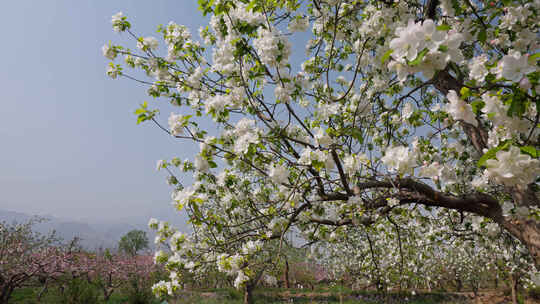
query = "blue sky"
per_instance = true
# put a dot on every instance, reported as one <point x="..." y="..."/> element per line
<point x="70" y="146"/>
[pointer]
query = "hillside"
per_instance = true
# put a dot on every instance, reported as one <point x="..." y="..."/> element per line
<point x="93" y="234"/>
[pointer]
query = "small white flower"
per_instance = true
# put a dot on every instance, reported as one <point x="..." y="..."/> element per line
<point x="240" y="279"/>
<point x="161" y="164"/>
<point x="477" y="67"/>
<point x="392" y="202"/>
<point x="148" y="42"/>
<point x="506" y="208"/>
<point x="299" y="24"/>
<point x="272" y="47"/>
<point x="399" y="159"/>
<point x="513" y="168"/>
<point x="279" y="174"/>
<point x="176" y="124"/>
<point x="153" y="223"/>
<point x="460" y="110"/>
<point x="109" y="52"/>
<point x="408" y="110"/>
<point x="283" y="93"/>
<point x="513" y="66"/>
<point x="322" y="137"/>
<point x="201" y="164"/>
<point x="117" y="23"/>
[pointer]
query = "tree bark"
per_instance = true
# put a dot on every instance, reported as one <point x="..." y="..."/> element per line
<point x="248" y="294"/>
<point x="6" y="294"/>
<point x="514" y="281"/>
<point x="286" y="275"/>
<point x="528" y="232"/>
<point x="412" y="191"/>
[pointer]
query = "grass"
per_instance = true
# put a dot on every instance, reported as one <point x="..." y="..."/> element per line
<point x="29" y="296"/>
<point x="328" y="295"/>
<point x="322" y="296"/>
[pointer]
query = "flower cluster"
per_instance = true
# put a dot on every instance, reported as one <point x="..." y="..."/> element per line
<point x="513" y="168"/>
<point x="399" y="159"/>
<point x="272" y="47"/>
<point x="459" y="109"/>
<point x="513" y="67"/>
<point x="421" y="47"/>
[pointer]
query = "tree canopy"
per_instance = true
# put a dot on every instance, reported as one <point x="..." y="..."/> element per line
<point x="412" y="116"/>
<point x="133" y="242"/>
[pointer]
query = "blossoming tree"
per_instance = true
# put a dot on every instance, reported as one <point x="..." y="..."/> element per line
<point x="415" y="105"/>
<point x="28" y="258"/>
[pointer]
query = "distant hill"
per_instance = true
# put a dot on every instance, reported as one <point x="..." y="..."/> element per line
<point x="93" y="235"/>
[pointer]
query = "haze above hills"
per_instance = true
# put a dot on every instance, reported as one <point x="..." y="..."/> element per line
<point x="93" y="234"/>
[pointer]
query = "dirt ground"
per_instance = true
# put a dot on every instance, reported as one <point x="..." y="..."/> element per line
<point x="484" y="297"/>
<point x="494" y="297"/>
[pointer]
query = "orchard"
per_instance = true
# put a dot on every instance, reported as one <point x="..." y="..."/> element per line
<point x="398" y="139"/>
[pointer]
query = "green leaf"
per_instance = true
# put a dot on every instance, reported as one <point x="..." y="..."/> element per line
<point x="518" y="105"/>
<point x="490" y="154"/>
<point x="386" y="56"/>
<point x="533" y="58"/>
<point x="443" y="48"/>
<point x="482" y="36"/>
<point x="443" y="27"/>
<point x="477" y="105"/>
<point x="530" y="150"/>
<point x="141" y="118"/>
<point x="464" y="92"/>
<point x="418" y="58"/>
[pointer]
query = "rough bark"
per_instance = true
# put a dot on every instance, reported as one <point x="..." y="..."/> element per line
<point x="248" y="294"/>
<point x="514" y="282"/>
<point x="6" y="294"/>
<point x="286" y="275"/>
<point x="526" y="230"/>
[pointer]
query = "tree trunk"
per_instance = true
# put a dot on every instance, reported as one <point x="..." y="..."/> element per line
<point x="5" y="295"/>
<point x="107" y="293"/>
<point x="248" y="294"/>
<point x="514" y="281"/>
<point x="286" y="275"/>
<point x="459" y="285"/>
<point x="528" y="232"/>
<point x="42" y="292"/>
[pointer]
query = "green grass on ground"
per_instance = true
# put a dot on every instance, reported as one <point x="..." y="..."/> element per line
<point x="275" y="296"/>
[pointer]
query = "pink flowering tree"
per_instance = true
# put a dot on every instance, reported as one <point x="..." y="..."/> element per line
<point x="28" y="258"/>
<point x="113" y="271"/>
<point x="325" y="114"/>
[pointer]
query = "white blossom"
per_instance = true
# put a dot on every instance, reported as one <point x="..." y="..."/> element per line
<point x="513" y="168"/>
<point x="176" y="124"/>
<point x="460" y="110"/>
<point x="322" y="137"/>
<point x="513" y="67"/>
<point x="272" y="47"/>
<point x="116" y="21"/>
<point x="109" y="52"/>
<point x="399" y="159"/>
<point x="477" y="67"/>
<point x="279" y="174"/>
<point x="147" y="42"/>
<point x="299" y="24"/>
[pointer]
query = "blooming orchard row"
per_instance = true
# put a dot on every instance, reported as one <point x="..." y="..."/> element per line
<point x="409" y="105"/>
<point x="28" y="258"/>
